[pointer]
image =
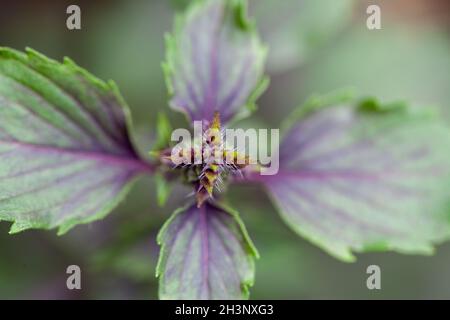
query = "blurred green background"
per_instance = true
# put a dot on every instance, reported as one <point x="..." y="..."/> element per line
<point x="315" y="46"/>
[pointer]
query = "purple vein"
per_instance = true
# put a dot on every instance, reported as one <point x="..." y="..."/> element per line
<point x="107" y="106"/>
<point x="225" y="240"/>
<point x="341" y="174"/>
<point x="86" y="113"/>
<point x="56" y="181"/>
<point x="196" y="63"/>
<point x="291" y="209"/>
<point x="110" y="182"/>
<point x="39" y="117"/>
<point x="71" y="200"/>
<point x="180" y="226"/>
<point x="228" y="102"/>
<point x="341" y="214"/>
<point x="309" y="136"/>
<point x="40" y="167"/>
<point x="191" y="95"/>
<point x="107" y="159"/>
<point x="39" y="97"/>
<point x="193" y="34"/>
<point x="188" y="253"/>
<point x="91" y="116"/>
<point x="346" y="150"/>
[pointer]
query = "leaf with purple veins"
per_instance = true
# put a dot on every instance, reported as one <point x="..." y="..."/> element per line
<point x="205" y="254"/>
<point x="65" y="153"/>
<point x="214" y="61"/>
<point x="367" y="178"/>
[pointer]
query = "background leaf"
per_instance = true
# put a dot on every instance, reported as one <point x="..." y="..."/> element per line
<point x="295" y="30"/>
<point x="205" y="254"/>
<point x="368" y="178"/>
<point x="65" y="152"/>
<point x="214" y="61"/>
<point x="163" y="188"/>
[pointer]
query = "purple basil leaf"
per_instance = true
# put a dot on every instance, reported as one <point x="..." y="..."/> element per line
<point x="299" y="29"/>
<point x="65" y="153"/>
<point x="214" y="61"/>
<point x="368" y="178"/>
<point x="205" y="254"/>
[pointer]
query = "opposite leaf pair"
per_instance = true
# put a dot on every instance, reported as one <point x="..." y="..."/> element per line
<point x="352" y="176"/>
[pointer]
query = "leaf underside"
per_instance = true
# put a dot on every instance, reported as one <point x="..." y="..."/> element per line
<point x="205" y="254"/>
<point x="357" y="179"/>
<point x="214" y="61"/>
<point x="65" y="153"/>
